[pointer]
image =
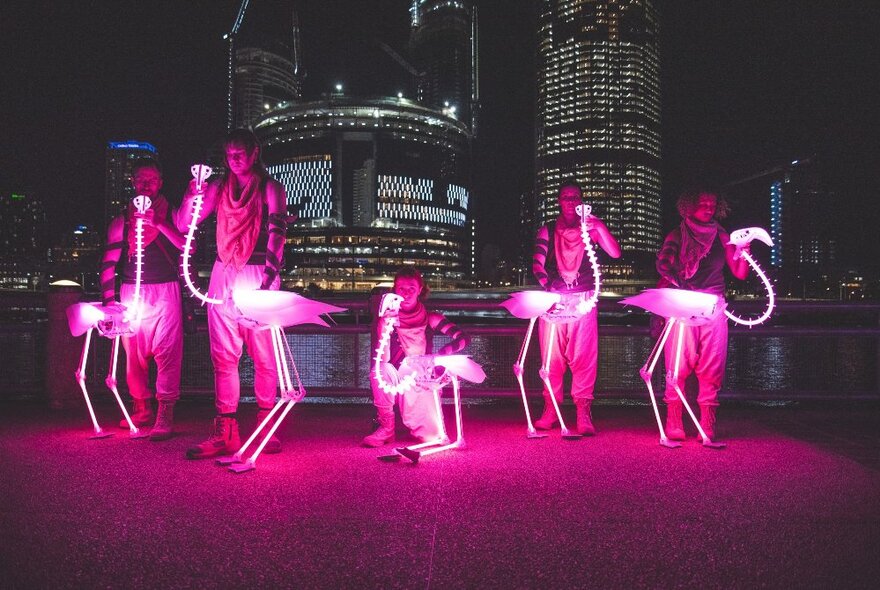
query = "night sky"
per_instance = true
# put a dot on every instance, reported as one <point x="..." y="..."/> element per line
<point x="746" y="84"/>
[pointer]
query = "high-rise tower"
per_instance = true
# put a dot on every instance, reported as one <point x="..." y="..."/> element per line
<point x="268" y="72"/>
<point x="443" y="44"/>
<point x="598" y="113"/>
<point x="117" y="183"/>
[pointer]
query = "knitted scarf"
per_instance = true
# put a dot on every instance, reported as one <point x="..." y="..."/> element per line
<point x="160" y="211"/>
<point x="696" y="241"/>
<point x="238" y="220"/>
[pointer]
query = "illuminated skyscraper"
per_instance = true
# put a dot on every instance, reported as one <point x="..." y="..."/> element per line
<point x="791" y="202"/>
<point x="117" y="184"/>
<point x="443" y="45"/>
<point x="598" y="113"/>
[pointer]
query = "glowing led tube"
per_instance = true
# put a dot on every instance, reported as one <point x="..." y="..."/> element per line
<point x="201" y="173"/>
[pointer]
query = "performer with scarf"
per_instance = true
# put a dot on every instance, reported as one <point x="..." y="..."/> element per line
<point x="412" y="337"/>
<point x="251" y="225"/>
<point x="559" y="265"/>
<point x="693" y="257"/>
<point x="159" y="334"/>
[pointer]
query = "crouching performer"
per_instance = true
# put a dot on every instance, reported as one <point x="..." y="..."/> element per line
<point x="410" y="338"/>
<point x="559" y="265"/>
<point x="153" y="298"/>
<point x="251" y="225"/>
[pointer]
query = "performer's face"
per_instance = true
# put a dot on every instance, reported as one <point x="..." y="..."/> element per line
<point x="238" y="159"/>
<point x="705" y="209"/>
<point x="147" y="181"/>
<point x="569" y="199"/>
<point x="409" y="288"/>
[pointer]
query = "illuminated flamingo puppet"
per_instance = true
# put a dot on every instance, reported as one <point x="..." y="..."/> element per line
<point x="692" y="308"/>
<point x="425" y="372"/>
<point x="554" y="308"/>
<point x="275" y="310"/>
<point x="111" y="321"/>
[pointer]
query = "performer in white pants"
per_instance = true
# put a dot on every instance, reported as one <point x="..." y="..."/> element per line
<point x="693" y="257"/>
<point x="411" y="337"/>
<point x="158" y="334"/>
<point x="559" y="265"/>
<point x="251" y="225"/>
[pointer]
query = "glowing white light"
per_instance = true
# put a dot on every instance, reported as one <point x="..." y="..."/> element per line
<point x="201" y="173"/>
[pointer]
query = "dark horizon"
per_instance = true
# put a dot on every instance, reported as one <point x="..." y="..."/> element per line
<point x="745" y="86"/>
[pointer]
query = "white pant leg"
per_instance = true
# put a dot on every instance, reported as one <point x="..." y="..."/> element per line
<point x="689" y="355"/>
<point x="558" y="364"/>
<point x="381" y="398"/>
<point x="228" y="336"/>
<point x="582" y="354"/>
<point x="712" y="360"/>
<point x="419" y="413"/>
<point x="158" y="335"/>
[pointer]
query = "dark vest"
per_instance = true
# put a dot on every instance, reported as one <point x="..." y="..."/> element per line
<point x="710" y="272"/>
<point x="160" y="260"/>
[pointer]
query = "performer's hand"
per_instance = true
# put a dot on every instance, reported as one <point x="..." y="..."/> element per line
<point x="192" y="191"/>
<point x="147" y="217"/>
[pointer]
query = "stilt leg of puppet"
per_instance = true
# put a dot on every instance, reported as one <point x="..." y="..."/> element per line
<point x="706" y="441"/>
<point x="545" y="376"/>
<point x="647" y="371"/>
<point x="81" y="379"/>
<point x="415" y="452"/>
<point x="110" y="381"/>
<point x="518" y="372"/>
<point x="236" y="463"/>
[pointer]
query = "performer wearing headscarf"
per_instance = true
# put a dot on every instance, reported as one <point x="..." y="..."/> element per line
<point x="559" y="265"/>
<point x="159" y="333"/>
<point x="411" y="337"/>
<point x="251" y="226"/>
<point x="693" y="257"/>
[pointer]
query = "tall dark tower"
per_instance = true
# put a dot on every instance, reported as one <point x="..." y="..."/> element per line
<point x="267" y="73"/>
<point x="443" y="44"/>
<point x="120" y="155"/>
<point x="598" y="113"/>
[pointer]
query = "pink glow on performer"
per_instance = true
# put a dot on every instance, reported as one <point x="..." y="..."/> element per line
<point x="147" y="243"/>
<point x="251" y="225"/>
<point x="565" y="264"/>
<point x="404" y="330"/>
<point x="692" y="260"/>
<point x="273" y="311"/>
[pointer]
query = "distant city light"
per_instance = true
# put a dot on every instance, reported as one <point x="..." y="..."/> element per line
<point x="339" y="88"/>
<point x="131" y="145"/>
<point x="400" y="95"/>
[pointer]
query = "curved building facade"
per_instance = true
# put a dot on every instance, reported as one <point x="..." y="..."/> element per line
<point x="378" y="184"/>
<point x="598" y="113"/>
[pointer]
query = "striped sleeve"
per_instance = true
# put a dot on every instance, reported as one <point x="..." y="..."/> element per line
<point x="275" y="246"/>
<point x="539" y="258"/>
<point x="667" y="259"/>
<point x="458" y="338"/>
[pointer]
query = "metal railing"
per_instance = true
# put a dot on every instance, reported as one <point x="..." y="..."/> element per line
<point x="809" y="350"/>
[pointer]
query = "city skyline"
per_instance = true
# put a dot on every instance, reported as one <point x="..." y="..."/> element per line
<point x="745" y="85"/>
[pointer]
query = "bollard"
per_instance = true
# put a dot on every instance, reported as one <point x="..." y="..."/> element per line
<point x="62" y="349"/>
